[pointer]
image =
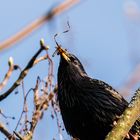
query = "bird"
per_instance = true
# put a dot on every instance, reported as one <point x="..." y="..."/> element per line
<point x="89" y="107"/>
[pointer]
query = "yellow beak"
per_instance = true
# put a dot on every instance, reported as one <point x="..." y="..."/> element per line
<point x="63" y="53"/>
<point x="65" y="56"/>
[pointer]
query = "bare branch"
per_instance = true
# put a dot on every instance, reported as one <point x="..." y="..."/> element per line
<point x="126" y="121"/>
<point x="40" y="59"/>
<point x="8" y="74"/>
<point x="41" y="104"/>
<point x="6" y="132"/>
<point x="25" y="99"/>
<point x="24" y="72"/>
<point x="37" y="23"/>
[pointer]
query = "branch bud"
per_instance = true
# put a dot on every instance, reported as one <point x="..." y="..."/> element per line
<point x="11" y="61"/>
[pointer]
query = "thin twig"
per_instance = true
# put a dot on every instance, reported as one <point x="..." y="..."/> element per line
<point x="25" y="107"/>
<point x="7" y="76"/>
<point x="40" y="59"/>
<point x="5" y="116"/>
<point x="22" y="109"/>
<point x="24" y="72"/>
<point x="41" y="104"/>
<point x="36" y="24"/>
<point x="6" y="132"/>
<point x="50" y="73"/>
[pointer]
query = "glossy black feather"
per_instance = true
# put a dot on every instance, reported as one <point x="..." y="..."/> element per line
<point x="88" y="106"/>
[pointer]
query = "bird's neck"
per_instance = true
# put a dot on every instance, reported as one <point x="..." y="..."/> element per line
<point x="69" y="86"/>
<point x="69" y="77"/>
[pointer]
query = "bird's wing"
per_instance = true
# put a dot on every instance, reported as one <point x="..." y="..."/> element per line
<point x="103" y="91"/>
<point x="106" y="87"/>
<point x="135" y="130"/>
<point x="102" y="100"/>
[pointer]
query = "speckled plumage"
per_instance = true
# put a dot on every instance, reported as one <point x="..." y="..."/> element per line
<point x="88" y="106"/>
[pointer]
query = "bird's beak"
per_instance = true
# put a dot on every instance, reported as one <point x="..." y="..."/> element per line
<point x="65" y="56"/>
<point x="62" y="52"/>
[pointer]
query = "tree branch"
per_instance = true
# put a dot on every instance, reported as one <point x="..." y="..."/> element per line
<point x="36" y="24"/>
<point x="25" y="71"/>
<point x="8" y="74"/>
<point x="6" y="132"/>
<point x="127" y="119"/>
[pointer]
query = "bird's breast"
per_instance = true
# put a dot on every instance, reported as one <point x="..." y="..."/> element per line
<point x="68" y="94"/>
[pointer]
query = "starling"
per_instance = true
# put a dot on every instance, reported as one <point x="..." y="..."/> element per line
<point x="89" y="107"/>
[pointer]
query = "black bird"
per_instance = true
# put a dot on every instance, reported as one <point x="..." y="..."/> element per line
<point x="89" y="107"/>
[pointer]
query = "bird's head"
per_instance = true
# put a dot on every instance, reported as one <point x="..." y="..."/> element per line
<point x="69" y="63"/>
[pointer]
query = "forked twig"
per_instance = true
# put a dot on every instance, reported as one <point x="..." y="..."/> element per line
<point x="24" y="72"/>
<point x="8" y="74"/>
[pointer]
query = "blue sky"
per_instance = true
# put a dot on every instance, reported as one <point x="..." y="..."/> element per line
<point x="104" y="35"/>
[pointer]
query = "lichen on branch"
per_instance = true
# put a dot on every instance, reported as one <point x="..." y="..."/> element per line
<point x="126" y="121"/>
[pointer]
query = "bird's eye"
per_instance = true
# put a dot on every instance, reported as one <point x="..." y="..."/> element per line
<point x="72" y="59"/>
<point x="75" y="62"/>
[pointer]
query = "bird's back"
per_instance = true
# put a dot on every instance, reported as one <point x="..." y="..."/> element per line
<point x="90" y="108"/>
